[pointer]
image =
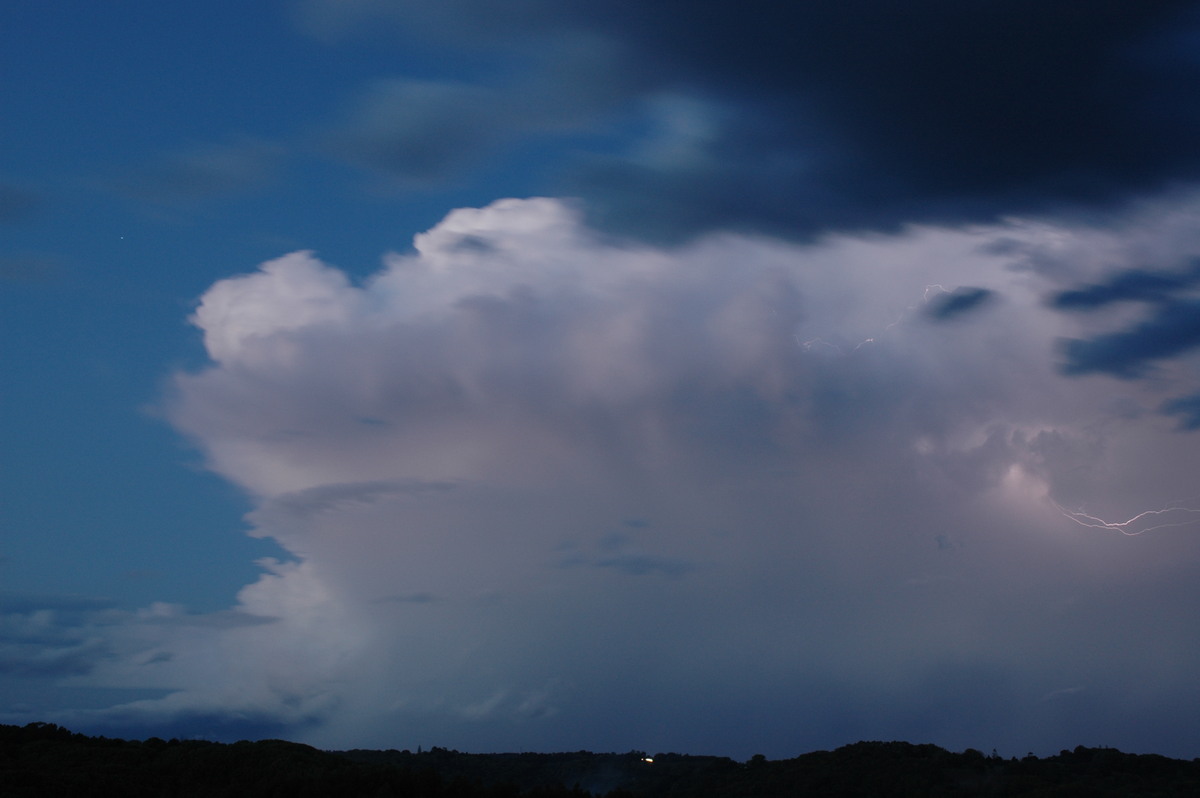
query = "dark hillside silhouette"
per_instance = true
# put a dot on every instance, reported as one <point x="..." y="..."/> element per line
<point x="42" y="759"/>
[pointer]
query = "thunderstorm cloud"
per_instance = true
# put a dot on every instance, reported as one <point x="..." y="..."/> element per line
<point x="831" y="372"/>
<point x="533" y="482"/>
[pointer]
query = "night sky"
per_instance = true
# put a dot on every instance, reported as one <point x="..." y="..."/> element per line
<point x="719" y="378"/>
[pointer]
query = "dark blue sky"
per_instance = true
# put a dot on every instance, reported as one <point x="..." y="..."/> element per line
<point x="674" y="376"/>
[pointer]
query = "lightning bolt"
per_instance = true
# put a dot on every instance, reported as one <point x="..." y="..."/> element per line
<point x="1174" y="514"/>
<point x="940" y="289"/>
<point x="817" y="344"/>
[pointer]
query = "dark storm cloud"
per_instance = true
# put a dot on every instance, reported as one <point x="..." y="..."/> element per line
<point x="1135" y="285"/>
<point x="952" y="304"/>
<point x="853" y="115"/>
<point x="1169" y="328"/>
<point x="1172" y="330"/>
<point x="1188" y="408"/>
<point x="928" y="110"/>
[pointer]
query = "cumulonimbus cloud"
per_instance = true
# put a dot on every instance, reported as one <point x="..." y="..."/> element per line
<point x="541" y="489"/>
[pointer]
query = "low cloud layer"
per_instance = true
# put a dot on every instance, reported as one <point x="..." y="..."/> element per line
<point x="544" y="491"/>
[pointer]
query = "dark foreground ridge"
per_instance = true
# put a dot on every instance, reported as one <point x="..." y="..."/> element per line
<point x="42" y="759"/>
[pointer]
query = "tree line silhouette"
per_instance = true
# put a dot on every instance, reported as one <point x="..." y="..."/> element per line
<point x="42" y="759"/>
